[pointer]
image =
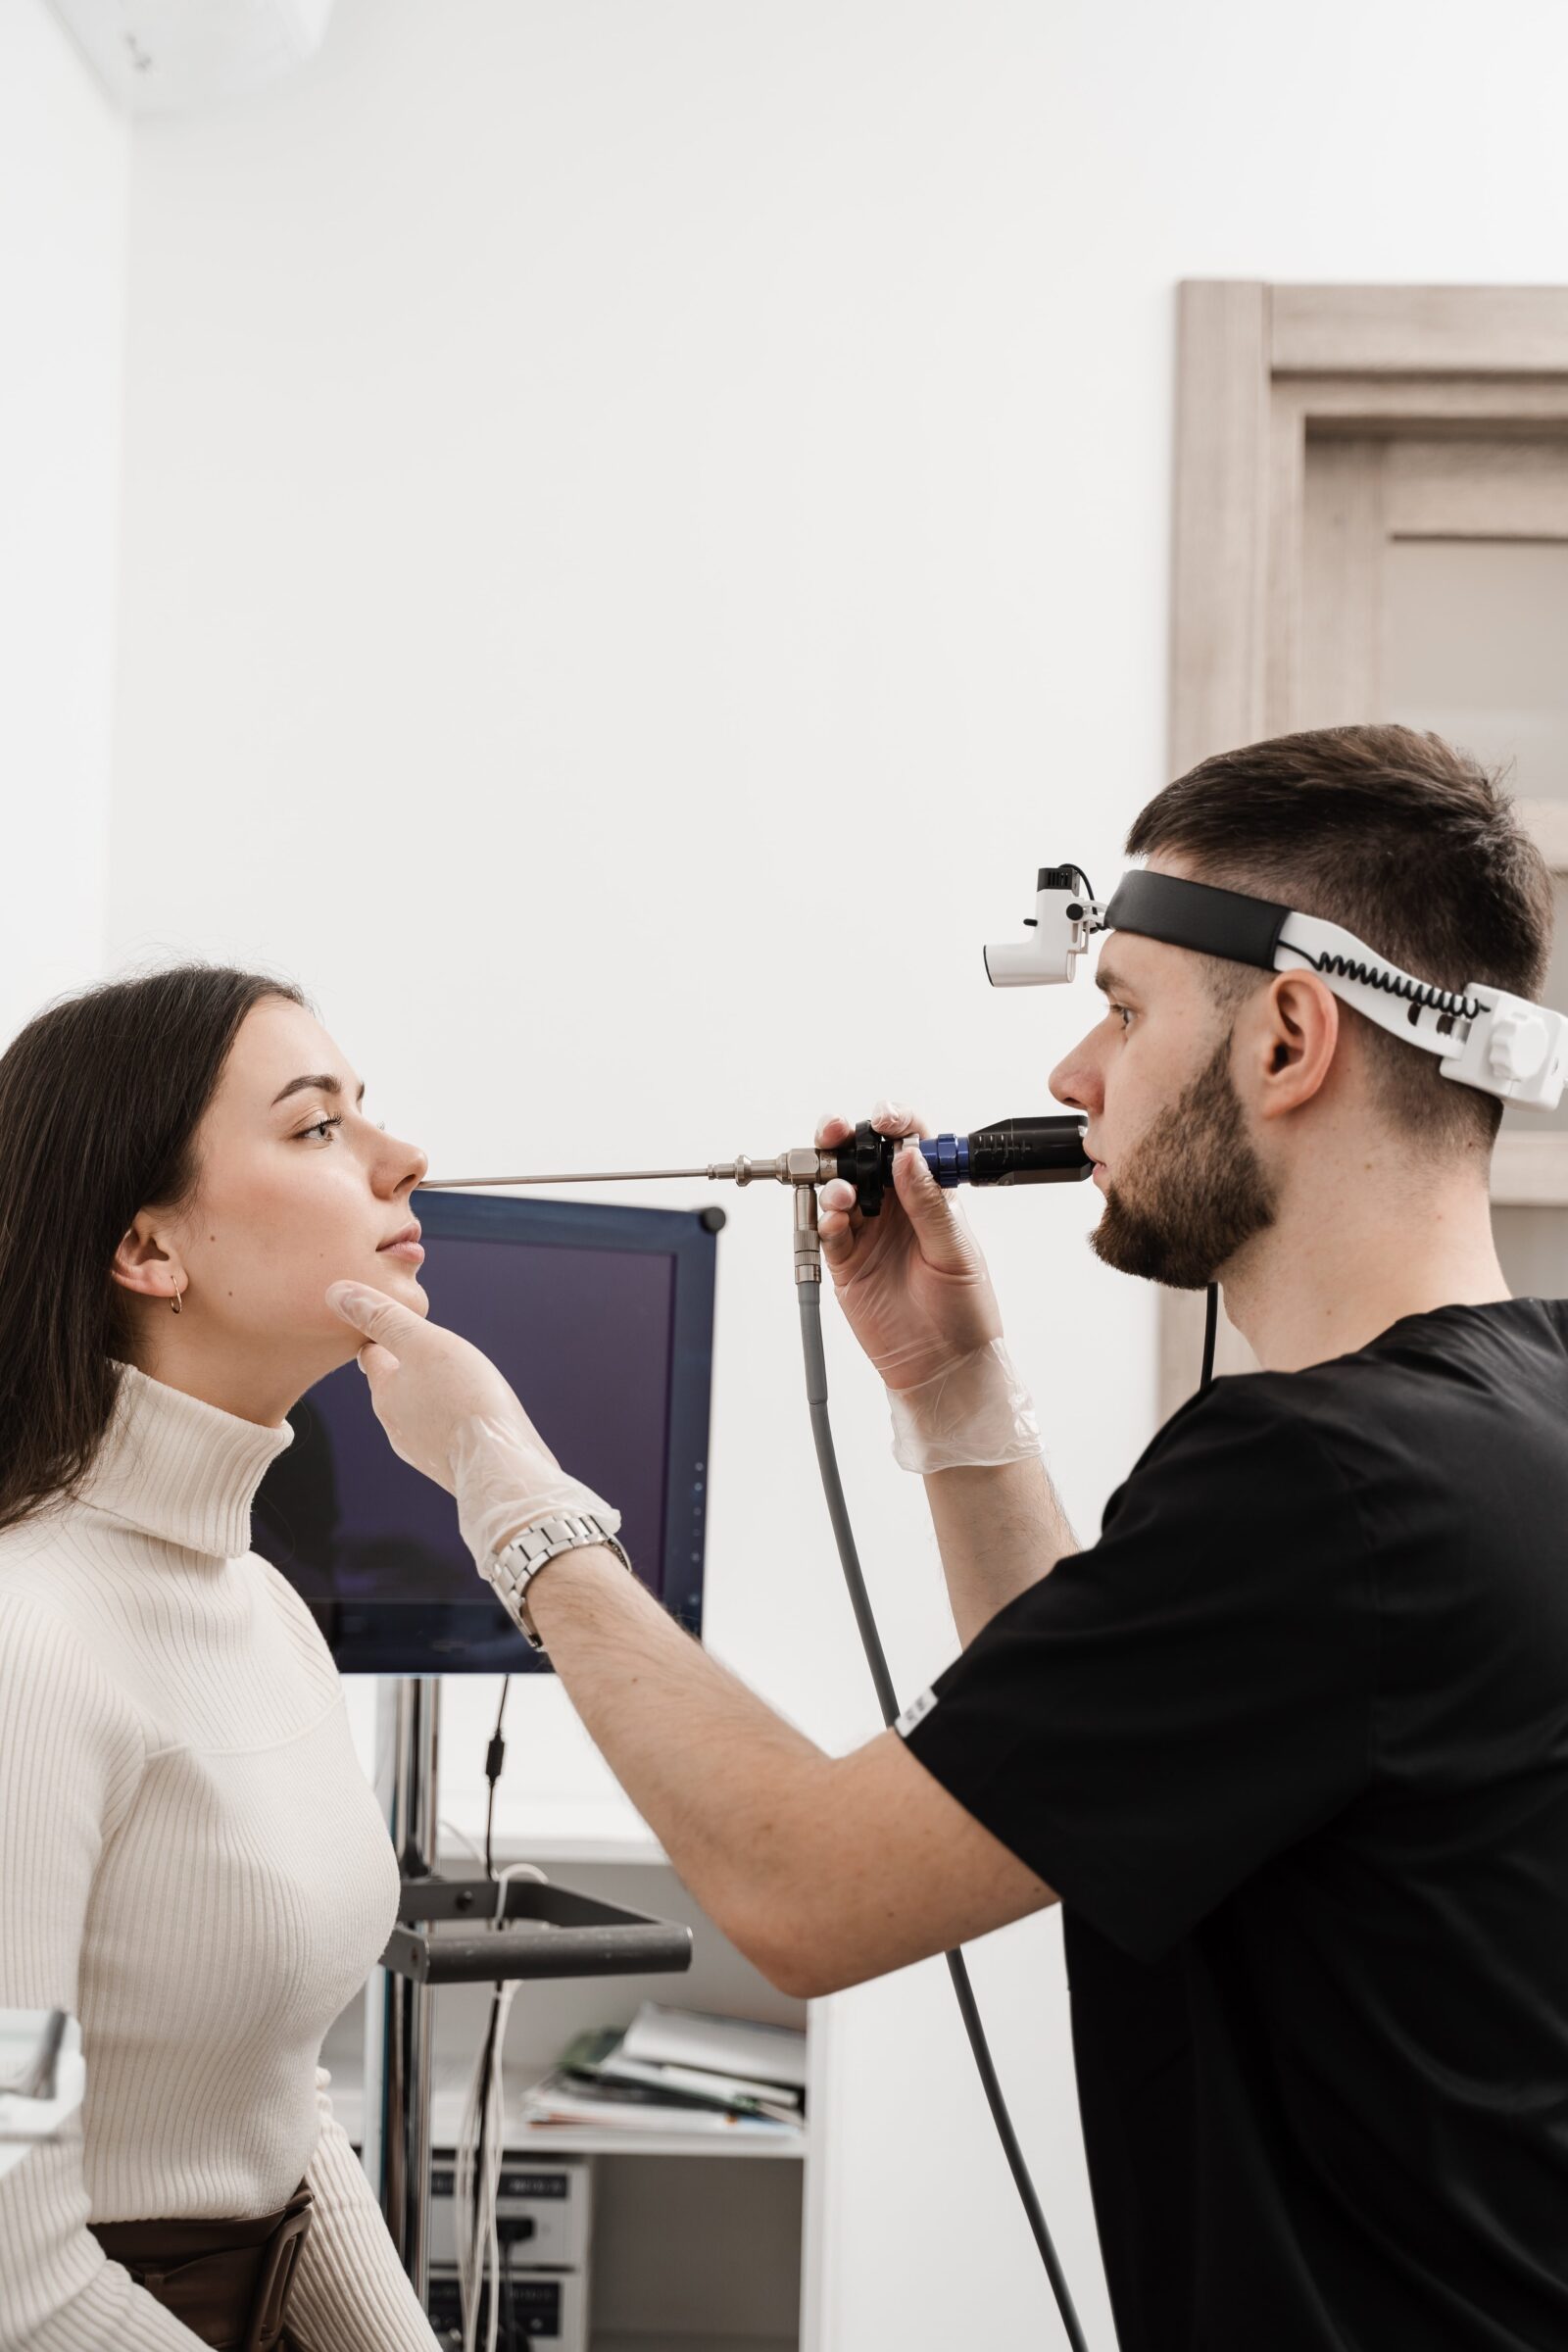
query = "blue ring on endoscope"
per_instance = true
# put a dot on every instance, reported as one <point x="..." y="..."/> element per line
<point x="948" y="1158"/>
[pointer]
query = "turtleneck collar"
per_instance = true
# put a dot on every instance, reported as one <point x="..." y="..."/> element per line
<point x="179" y="1469"/>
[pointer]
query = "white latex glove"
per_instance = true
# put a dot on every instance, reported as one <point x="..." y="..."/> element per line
<point x="449" y="1412"/>
<point x="916" y="1293"/>
<point x="977" y="1414"/>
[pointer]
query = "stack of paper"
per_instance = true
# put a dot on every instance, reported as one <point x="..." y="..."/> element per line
<point x="674" y="2068"/>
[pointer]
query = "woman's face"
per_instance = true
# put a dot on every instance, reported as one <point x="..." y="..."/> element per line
<point x="296" y="1188"/>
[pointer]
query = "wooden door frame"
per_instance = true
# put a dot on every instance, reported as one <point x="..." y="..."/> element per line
<point x="1259" y="367"/>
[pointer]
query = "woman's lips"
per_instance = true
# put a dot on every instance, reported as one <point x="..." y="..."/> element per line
<point x="411" y="1253"/>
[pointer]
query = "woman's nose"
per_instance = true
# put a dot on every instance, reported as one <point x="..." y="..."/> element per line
<point x="410" y="1164"/>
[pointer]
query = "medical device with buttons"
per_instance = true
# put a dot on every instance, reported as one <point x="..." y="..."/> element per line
<point x="543" y="2218"/>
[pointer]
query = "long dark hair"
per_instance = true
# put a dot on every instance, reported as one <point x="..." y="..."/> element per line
<point x="100" y="1098"/>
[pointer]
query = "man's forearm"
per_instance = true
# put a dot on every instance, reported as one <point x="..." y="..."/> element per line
<point x="999" y="1531"/>
<point x="823" y="1870"/>
<point x="728" y="1787"/>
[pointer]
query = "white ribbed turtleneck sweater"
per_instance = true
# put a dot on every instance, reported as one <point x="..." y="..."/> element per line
<point x="193" y="1864"/>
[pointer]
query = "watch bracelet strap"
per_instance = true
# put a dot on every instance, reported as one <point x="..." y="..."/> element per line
<point x="515" y="1566"/>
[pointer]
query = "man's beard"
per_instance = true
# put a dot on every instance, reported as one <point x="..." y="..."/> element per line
<point x="1194" y="1191"/>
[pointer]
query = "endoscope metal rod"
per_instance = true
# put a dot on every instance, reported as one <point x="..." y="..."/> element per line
<point x="738" y="1171"/>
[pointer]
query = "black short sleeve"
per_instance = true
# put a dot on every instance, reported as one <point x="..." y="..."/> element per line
<point x="1161" y="1715"/>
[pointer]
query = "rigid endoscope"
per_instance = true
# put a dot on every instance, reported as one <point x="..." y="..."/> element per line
<point x="1485" y="1038"/>
<point x="1037" y="1150"/>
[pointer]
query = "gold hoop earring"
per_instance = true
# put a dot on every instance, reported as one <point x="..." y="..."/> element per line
<point x="175" y="1304"/>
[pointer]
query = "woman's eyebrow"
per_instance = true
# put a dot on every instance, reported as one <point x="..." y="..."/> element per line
<point x="323" y="1080"/>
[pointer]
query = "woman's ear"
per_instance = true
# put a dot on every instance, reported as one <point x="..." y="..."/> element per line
<point x="145" y="1263"/>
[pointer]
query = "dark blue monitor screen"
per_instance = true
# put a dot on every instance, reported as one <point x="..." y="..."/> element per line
<point x="602" y="1319"/>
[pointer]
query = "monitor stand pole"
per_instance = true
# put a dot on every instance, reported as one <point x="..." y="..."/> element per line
<point x="451" y="1931"/>
<point x="398" y="2009"/>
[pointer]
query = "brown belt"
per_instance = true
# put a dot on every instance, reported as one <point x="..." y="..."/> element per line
<point x="228" y="2281"/>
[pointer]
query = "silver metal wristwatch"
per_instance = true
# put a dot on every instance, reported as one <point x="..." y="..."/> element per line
<point x="515" y="1566"/>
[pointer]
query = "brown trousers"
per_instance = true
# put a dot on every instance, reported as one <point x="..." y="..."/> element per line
<point x="227" y="2280"/>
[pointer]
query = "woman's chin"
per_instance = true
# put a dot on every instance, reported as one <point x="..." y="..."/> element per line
<point x="402" y="1283"/>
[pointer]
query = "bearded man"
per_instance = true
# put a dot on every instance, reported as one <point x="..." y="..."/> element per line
<point x="1289" y="1741"/>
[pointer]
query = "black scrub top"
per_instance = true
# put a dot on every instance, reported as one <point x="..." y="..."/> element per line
<point x="1291" y="1742"/>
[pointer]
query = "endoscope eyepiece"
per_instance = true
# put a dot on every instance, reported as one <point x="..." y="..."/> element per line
<point x="1048" y="1150"/>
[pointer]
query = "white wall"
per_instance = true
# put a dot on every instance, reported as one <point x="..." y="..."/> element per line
<point x="63" y="197"/>
<point x="644" y="523"/>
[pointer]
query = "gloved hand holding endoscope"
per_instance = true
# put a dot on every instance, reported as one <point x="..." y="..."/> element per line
<point x="916" y="1293"/>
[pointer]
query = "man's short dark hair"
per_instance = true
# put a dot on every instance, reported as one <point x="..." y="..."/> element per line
<point x="1404" y="841"/>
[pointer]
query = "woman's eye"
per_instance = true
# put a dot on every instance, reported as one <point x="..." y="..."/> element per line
<point x="317" y="1129"/>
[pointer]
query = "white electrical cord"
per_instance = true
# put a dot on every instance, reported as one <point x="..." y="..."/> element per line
<point x="462" y="2182"/>
<point x="476" y="2173"/>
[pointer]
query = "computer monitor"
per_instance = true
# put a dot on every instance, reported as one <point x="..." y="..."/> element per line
<point x="602" y="1318"/>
